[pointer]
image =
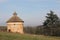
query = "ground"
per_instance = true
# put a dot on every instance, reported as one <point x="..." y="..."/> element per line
<point x="17" y="36"/>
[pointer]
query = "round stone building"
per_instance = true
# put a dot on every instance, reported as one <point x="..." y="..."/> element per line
<point x="15" y="24"/>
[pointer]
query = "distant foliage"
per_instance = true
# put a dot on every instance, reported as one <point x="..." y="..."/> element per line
<point x="51" y="25"/>
<point x="29" y="30"/>
<point x="3" y="28"/>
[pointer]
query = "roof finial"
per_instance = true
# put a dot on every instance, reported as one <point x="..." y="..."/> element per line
<point x="14" y="13"/>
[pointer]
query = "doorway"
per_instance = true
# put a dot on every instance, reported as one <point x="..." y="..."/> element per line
<point x="9" y="30"/>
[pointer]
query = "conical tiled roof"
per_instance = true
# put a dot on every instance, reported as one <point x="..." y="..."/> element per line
<point x="15" y="18"/>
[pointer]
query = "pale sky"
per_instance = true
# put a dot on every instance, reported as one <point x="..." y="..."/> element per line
<point x="33" y="12"/>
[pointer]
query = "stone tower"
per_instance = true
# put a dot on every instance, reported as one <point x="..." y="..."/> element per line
<point x="15" y="24"/>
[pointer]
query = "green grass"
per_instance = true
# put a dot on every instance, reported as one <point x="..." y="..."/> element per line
<point x="16" y="36"/>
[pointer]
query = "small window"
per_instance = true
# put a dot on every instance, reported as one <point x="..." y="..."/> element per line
<point x="14" y="24"/>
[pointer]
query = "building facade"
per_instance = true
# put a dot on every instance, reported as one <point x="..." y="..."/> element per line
<point x="15" y="24"/>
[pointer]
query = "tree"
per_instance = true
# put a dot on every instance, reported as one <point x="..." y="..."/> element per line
<point x="51" y="18"/>
<point x="51" y="23"/>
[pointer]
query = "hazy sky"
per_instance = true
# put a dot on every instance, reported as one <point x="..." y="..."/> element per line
<point x="33" y="12"/>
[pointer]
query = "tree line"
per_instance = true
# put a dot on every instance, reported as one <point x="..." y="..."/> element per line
<point x="51" y="26"/>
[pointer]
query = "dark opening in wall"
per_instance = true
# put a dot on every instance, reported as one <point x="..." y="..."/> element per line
<point x="9" y="30"/>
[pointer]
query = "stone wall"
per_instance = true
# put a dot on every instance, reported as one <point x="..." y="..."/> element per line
<point x="15" y="27"/>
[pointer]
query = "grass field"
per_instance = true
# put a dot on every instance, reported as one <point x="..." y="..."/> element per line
<point x="16" y="36"/>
